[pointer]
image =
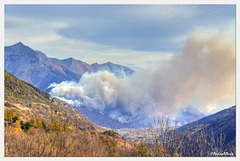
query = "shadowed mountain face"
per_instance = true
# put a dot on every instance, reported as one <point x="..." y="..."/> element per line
<point x="223" y="122"/>
<point x="37" y="69"/>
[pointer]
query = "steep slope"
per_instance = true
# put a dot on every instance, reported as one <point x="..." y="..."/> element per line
<point x="34" y="67"/>
<point x="29" y="102"/>
<point x="37" y="69"/>
<point x="37" y="125"/>
<point x="223" y="121"/>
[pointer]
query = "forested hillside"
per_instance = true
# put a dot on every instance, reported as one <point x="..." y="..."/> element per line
<point x="38" y="125"/>
<point x="31" y="103"/>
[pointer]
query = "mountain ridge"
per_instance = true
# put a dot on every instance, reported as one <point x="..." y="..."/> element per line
<point x="36" y="68"/>
<point x="40" y="71"/>
<point x="223" y="121"/>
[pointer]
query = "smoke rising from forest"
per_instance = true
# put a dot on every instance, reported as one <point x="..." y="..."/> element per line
<point x="201" y="74"/>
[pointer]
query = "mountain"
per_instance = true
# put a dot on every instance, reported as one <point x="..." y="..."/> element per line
<point x="105" y="119"/>
<point x="118" y="70"/>
<point x="223" y="121"/>
<point x="34" y="67"/>
<point x="39" y="70"/>
<point x="36" y="124"/>
<point x="30" y="102"/>
<point x="189" y="114"/>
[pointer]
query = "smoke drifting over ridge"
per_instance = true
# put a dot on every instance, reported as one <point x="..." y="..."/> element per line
<point x="202" y="74"/>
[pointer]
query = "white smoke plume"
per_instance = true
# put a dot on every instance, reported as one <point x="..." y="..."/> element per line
<point x="202" y="74"/>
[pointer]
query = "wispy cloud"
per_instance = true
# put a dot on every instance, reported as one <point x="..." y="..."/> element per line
<point x="141" y="37"/>
<point x="42" y="35"/>
<point x="136" y="34"/>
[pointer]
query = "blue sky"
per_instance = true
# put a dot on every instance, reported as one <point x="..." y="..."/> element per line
<point x="131" y="35"/>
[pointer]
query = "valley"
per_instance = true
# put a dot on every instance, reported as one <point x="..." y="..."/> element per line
<point x="31" y="113"/>
<point x="34" y="67"/>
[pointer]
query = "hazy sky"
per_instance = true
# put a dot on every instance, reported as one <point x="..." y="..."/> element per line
<point x="131" y="35"/>
<point x="195" y="43"/>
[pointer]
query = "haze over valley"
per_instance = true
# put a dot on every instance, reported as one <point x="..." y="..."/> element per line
<point x="120" y="80"/>
<point x="132" y="98"/>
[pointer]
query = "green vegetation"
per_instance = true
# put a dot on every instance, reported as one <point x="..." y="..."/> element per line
<point x="20" y="90"/>
<point x="111" y="133"/>
<point x="11" y="115"/>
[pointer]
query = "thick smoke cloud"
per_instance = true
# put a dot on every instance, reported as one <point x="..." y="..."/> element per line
<point x="202" y="74"/>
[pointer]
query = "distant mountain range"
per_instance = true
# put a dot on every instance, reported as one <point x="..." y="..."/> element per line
<point x="36" y="68"/>
<point x="39" y="70"/>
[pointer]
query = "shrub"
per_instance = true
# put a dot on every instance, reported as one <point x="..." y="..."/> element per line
<point x="9" y="104"/>
<point x="16" y="118"/>
<point x="111" y="133"/>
